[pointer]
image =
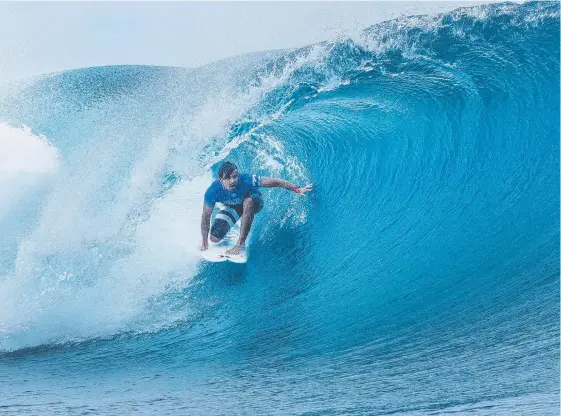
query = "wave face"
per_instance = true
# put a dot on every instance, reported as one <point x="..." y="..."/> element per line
<point x="420" y="276"/>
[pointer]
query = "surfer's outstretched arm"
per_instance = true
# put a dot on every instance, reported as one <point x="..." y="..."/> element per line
<point x="280" y="183"/>
<point x="205" y="225"/>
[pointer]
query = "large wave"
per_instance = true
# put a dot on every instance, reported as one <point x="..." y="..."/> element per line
<point x="429" y="248"/>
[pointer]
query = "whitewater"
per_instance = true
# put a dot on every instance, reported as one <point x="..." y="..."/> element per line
<point x="421" y="276"/>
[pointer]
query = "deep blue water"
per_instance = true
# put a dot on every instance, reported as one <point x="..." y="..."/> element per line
<point x="421" y="276"/>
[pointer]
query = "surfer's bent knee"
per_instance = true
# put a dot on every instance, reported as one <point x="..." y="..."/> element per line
<point x="230" y="214"/>
<point x="248" y="204"/>
<point x="224" y="220"/>
<point x="254" y="202"/>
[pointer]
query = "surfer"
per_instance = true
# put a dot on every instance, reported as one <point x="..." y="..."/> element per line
<point x="239" y="194"/>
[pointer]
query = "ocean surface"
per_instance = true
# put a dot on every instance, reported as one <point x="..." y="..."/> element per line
<point x="421" y="276"/>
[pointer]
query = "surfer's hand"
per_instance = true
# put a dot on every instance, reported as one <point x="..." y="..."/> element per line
<point x="204" y="247"/>
<point x="304" y="189"/>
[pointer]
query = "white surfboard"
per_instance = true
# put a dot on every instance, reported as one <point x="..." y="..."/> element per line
<point x="217" y="252"/>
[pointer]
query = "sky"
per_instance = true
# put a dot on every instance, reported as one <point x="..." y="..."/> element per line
<point x="43" y="37"/>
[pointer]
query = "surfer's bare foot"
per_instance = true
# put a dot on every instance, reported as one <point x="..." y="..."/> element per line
<point x="234" y="251"/>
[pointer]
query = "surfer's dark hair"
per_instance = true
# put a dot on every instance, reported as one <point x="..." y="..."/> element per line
<point x="226" y="169"/>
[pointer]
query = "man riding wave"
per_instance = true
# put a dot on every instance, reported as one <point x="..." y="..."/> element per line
<point x="239" y="194"/>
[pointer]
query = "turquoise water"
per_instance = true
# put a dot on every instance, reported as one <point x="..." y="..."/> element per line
<point x="420" y="277"/>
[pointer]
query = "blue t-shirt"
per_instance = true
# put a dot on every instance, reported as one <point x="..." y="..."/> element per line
<point x="247" y="185"/>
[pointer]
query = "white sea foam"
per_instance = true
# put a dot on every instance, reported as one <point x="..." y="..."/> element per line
<point x="22" y="151"/>
<point x="26" y="161"/>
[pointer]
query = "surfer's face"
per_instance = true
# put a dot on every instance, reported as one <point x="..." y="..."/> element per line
<point x="230" y="182"/>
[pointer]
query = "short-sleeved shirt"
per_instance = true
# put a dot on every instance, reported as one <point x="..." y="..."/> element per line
<point x="247" y="185"/>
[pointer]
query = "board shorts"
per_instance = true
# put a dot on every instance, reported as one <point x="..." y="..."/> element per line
<point x="230" y="214"/>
